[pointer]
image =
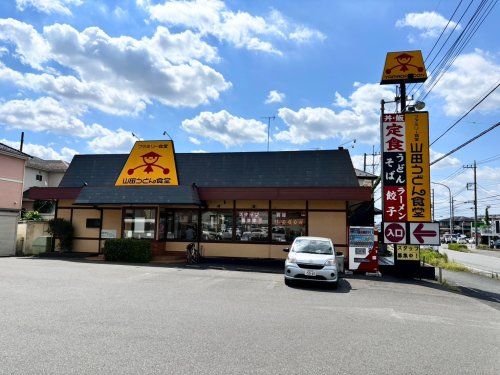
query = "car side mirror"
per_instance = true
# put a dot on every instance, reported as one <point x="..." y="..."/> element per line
<point x="339" y="253"/>
<point x="286" y="250"/>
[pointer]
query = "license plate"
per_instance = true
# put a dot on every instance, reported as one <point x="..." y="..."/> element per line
<point x="310" y="273"/>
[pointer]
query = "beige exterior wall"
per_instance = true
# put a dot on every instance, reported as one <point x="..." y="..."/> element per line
<point x="86" y="246"/>
<point x="64" y="213"/>
<point x="11" y="182"/>
<point x="250" y="204"/>
<point x="65" y="202"/>
<point x="112" y="220"/>
<point x="328" y="224"/>
<point x="288" y="204"/>
<point x="327" y="205"/>
<point x="79" y="222"/>
<point x="220" y="204"/>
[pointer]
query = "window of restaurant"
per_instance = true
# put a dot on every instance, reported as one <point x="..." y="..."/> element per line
<point x="178" y="225"/>
<point x="139" y="223"/>
<point x="287" y="225"/>
<point x="252" y="226"/>
<point x="217" y="225"/>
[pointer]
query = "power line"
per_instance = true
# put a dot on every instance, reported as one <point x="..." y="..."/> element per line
<point x="465" y="115"/>
<point x="458" y="45"/>
<point x="466" y="143"/>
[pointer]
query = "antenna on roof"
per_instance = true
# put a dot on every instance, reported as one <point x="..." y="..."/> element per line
<point x="22" y="142"/>
<point x="353" y="141"/>
<point x="133" y="135"/>
<point x="269" y="118"/>
<point x="165" y="133"/>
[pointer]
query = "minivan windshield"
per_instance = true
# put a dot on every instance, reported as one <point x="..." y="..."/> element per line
<point x="312" y="246"/>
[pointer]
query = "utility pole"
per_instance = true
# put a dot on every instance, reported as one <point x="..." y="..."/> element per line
<point x="451" y="204"/>
<point x="432" y="190"/>
<point x="364" y="163"/>
<point x="269" y="118"/>
<point x="373" y="154"/>
<point x="474" y="166"/>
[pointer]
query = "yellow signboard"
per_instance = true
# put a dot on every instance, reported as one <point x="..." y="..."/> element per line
<point x="150" y="163"/>
<point x="408" y="252"/>
<point x="405" y="66"/>
<point x="418" y="185"/>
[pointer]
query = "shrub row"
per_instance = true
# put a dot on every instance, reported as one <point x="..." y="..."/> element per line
<point x="127" y="250"/>
<point x="457" y="247"/>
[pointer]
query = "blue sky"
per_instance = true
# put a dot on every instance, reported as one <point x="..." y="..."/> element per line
<point x="79" y="76"/>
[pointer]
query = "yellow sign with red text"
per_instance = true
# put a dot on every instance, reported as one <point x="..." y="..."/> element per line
<point x="150" y="163"/>
<point x="418" y="173"/>
<point x="405" y="66"/>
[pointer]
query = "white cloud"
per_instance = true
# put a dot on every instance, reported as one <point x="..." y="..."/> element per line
<point x="119" y="75"/>
<point x="194" y="140"/>
<point x="275" y="96"/>
<point x="471" y="76"/>
<point x="225" y="128"/>
<point x="241" y="29"/>
<point x="48" y="6"/>
<point x="429" y="23"/>
<point x="119" y="141"/>
<point x="97" y="95"/>
<point x="31" y="48"/>
<point x="358" y="119"/>
<point x="46" y="114"/>
<point x="43" y="152"/>
<point x="199" y="151"/>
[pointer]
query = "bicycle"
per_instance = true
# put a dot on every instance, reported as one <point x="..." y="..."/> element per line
<point x="192" y="253"/>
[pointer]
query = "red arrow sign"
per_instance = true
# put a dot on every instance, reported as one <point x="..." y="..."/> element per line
<point x="420" y="233"/>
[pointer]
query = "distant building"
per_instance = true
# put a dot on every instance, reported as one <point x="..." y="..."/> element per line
<point x="42" y="173"/>
<point x="365" y="179"/>
<point x="12" y="164"/>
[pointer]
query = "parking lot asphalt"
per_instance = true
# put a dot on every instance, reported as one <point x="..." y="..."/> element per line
<point x="70" y="317"/>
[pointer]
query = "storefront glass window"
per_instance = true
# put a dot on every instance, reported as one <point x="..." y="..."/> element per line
<point x="139" y="223"/>
<point x="178" y="225"/>
<point x="217" y="226"/>
<point x="252" y="226"/>
<point x="287" y="225"/>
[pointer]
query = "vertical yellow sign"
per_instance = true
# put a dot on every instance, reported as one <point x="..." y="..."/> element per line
<point x="150" y="163"/>
<point x="417" y="166"/>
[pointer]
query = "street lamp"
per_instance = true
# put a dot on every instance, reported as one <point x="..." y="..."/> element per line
<point x="451" y="204"/>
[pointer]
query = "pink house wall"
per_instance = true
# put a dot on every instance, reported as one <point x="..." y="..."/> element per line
<point x="11" y="182"/>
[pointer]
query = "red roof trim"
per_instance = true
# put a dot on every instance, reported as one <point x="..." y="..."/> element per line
<point x="338" y="193"/>
<point x="53" y="193"/>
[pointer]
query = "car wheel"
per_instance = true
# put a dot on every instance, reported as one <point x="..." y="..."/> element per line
<point x="335" y="285"/>
<point x="288" y="282"/>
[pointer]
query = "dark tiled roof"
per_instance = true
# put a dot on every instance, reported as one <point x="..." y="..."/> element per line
<point x="139" y="195"/>
<point x="12" y="151"/>
<point x="47" y="165"/>
<point x="324" y="168"/>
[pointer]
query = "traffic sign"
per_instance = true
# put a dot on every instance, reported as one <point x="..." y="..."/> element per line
<point x="424" y="233"/>
<point x="395" y="233"/>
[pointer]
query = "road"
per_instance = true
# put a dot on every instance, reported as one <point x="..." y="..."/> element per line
<point x="481" y="262"/>
<point x="68" y="317"/>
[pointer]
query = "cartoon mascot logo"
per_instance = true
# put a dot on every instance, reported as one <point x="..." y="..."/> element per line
<point x="403" y="64"/>
<point x="150" y="159"/>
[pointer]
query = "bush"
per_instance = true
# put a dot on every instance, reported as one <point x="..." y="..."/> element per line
<point x="62" y="230"/>
<point x="32" y="216"/>
<point x="127" y="250"/>
<point x="436" y="259"/>
<point x="458" y="247"/>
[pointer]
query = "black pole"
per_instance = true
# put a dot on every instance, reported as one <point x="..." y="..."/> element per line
<point x="22" y="142"/>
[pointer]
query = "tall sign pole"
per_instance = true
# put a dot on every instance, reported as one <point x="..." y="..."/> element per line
<point x="406" y="194"/>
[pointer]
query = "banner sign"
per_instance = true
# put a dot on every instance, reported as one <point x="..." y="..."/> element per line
<point x="408" y="252"/>
<point x="394" y="167"/>
<point x="150" y="163"/>
<point x="404" y="66"/>
<point x="418" y="185"/>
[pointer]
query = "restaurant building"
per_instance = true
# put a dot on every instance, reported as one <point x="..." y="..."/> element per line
<point x="239" y="204"/>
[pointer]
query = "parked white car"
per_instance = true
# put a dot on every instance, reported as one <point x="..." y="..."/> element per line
<point x="311" y="258"/>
